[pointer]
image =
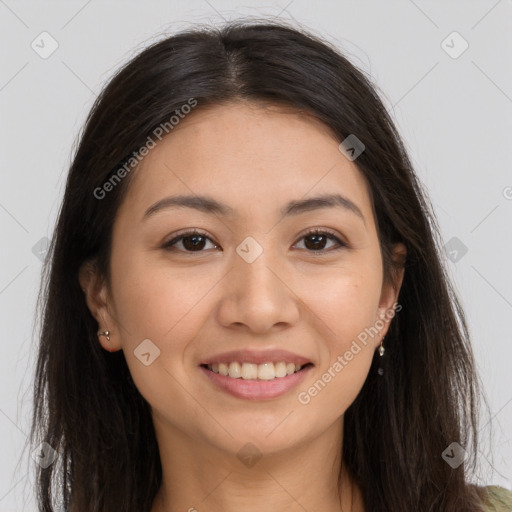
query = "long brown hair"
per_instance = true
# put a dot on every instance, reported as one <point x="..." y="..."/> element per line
<point x="86" y="404"/>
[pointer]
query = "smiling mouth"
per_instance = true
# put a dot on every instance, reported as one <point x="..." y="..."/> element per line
<point x="250" y="371"/>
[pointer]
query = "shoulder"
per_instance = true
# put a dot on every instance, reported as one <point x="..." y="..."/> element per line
<point x="496" y="499"/>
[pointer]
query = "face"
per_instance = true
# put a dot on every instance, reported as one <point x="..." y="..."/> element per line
<point x="255" y="285"/>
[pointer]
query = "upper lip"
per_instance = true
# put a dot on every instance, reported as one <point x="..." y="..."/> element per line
<point x="256" y="357"/>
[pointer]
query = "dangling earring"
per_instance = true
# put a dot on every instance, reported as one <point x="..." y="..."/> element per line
<point x="380" y="370"/>
<point x="381" y="347"/>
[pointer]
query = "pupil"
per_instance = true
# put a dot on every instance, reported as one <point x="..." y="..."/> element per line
<point x="195" y="244"/>
<point x="315" y="237"/>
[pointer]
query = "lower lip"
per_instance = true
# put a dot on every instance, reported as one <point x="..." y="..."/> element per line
<point x="251" y="389"/>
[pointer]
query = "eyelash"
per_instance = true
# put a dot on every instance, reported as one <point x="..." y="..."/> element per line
<point x="316" y="231"/>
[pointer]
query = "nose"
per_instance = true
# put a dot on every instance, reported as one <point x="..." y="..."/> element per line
<point x="258" y="296"/>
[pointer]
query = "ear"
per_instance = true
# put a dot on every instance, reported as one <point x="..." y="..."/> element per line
<point x="390" y="290"/>
<point x="97" y="298"/>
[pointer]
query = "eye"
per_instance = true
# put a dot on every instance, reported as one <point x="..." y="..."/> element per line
<point x="192" y="241"/>
<point x="318" y="238"/>
<point x="195" y="241"/>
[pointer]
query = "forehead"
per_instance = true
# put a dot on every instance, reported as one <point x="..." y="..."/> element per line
<point x="253" y="157"/>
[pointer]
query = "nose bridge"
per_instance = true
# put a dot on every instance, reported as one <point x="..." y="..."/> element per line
<point x="253" y="274"/>
<point x="257" y="295"/>
<point x="256" y="275"/>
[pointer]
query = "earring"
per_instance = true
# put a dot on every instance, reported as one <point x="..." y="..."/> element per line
<point x="381" y="347"/>
<point x="380" y="370"/>
<point x="105" y="333"/>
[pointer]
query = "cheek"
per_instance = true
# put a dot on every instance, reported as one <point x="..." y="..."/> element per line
<point x="155" y="300"/>
<point x="345" y="312"/>
<point x="345" y="300"/>
<point x="167" y="306"/>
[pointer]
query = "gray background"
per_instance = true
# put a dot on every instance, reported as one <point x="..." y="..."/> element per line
<point x="455" y="115"/>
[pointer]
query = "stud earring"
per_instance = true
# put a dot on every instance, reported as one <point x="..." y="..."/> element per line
<point x="105" y="333"/>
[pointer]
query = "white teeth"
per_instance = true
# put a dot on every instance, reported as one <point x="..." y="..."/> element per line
<point x="249" y="371"/>
<point x="280" y="369"/>
<point x="235" y="370"/>
<point x="265" y="371"/>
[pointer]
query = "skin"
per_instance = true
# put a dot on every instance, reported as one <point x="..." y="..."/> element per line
<point x="255" y="158"/>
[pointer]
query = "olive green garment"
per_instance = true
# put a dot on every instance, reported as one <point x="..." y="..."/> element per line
<point x="497" y="499"/>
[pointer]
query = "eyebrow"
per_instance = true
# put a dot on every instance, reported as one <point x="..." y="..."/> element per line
<point x="213" y="207"/>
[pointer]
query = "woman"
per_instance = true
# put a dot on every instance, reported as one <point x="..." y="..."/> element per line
<point x="245" y="305"/>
